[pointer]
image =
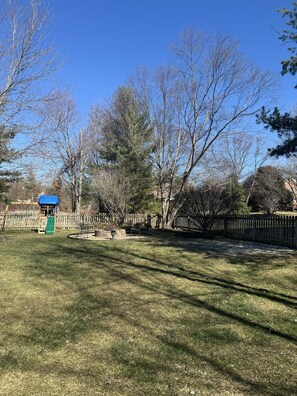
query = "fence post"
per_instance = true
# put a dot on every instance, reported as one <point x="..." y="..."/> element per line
<point x="159" y="219"/>
<point x="149" y="221"/>
<point x="295" y="232"/>
<point x="254" y="229"/>
<point x="225" y="225"/>
<point x="4" y="218"/>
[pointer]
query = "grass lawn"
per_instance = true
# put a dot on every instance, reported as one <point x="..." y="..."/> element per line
<point x="160" y="316"/>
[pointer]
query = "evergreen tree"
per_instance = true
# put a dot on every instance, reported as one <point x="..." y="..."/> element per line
<point x="235" y="197"/>
<point x="290" y="36"/>
<point x="125" y="145"/>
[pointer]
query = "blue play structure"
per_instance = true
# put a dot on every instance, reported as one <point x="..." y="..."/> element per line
<point x="48" y="200"/>
<point x="48" y="205"/>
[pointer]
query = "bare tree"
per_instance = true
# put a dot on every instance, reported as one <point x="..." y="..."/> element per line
<point x="159" y="94"/>
<point x="25" y="61"/>
<point x="67" y="147"/>
<point x="236" y="153"/>
<point x="115" y="191"/>
<point x="204" y="203"/>
<point x="211" y="90"/>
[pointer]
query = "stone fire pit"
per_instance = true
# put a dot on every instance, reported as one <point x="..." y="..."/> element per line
<point x="107" y="234"/>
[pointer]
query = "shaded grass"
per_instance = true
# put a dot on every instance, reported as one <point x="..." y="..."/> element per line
<point x="163" y="316"/>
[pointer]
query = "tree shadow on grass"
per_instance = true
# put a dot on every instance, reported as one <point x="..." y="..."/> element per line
<point x="196" y="276"/>
<point x="204" y="305"/>
<point x="115" y="264"/>
<point x="177" y="270"/>
<point x="253" y="258"/>
<point x="103" y="260"/>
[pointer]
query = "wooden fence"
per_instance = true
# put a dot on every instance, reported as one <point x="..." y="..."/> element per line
<point x="19" y="220"/>
<point x="278" y="230"/>
<point x="30" y="220"/>
<point x="71" y="220"/>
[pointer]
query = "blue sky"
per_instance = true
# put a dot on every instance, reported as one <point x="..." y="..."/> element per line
<point x="103" y="42"/>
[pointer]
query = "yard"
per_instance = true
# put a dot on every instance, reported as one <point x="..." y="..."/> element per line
<point x="161" y="316"/>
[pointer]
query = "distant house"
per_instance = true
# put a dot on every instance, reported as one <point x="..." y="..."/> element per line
<point x="291" y="185"/>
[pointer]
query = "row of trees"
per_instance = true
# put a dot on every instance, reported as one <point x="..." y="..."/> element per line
<point x="159" y="135"/>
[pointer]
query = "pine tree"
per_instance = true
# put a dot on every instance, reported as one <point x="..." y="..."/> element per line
<point x="125" y="145"/>
<point x="235" y="197"/>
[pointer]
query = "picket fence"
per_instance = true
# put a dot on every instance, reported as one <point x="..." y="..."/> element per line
<point x="277" y="230"/>
<point x="22" y="220"/>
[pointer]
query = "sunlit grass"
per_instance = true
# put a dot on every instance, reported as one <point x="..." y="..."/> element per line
<point x="161" y="316"/>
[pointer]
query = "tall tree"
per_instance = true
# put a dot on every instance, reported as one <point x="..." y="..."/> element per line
<point x="210" y="90"/>
<point x="124" y="143"/>
<point x="159" y="93"/>
<point x="285" y="125"/>
<point x="67" y="147"/>
<point x="25" y="62"/>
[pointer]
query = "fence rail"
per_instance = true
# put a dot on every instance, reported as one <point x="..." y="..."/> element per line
<point x="30" y="220"/>
<point x="278" y="230"/>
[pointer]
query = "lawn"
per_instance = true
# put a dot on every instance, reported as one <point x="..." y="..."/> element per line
<point x="161" y="316"/>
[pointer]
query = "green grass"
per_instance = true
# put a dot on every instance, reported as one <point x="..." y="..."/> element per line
<point x="161" y="316"/>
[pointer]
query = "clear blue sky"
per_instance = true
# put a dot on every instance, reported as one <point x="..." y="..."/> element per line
<point x="103" y="42"/>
